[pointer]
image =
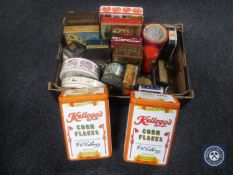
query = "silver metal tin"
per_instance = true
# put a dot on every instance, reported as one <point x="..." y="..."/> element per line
<point x="113" y="75"/>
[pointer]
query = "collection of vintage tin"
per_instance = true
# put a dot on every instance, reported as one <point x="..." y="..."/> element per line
<point x="115" y="48"/>
<point x="113" y="52"/>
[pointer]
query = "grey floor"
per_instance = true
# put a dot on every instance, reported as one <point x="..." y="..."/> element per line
<point x="31" y="140"/>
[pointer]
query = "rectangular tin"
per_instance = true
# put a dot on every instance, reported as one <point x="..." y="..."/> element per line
<point x="86" y="123"/>
<point x="130" y="78"/>
<point x="120" y="27"/>
<point x="81" y="34"/>
<point x="151" y="124"/>
<point x="127" y="54"/>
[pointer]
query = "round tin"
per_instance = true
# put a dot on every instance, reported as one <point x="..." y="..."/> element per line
<point x="113" y="75"/>
<point x="151" y="54"/>
<point x="155" y="34"/>
<point x="80" y="67"/>
<point x="80" y="82"/>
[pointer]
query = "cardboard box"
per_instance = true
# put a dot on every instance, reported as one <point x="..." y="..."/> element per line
<point x="182" y="81"/>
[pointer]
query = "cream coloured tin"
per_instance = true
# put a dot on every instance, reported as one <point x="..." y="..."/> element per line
<point x="80" y="67"/>
<point x="80" y="82"/>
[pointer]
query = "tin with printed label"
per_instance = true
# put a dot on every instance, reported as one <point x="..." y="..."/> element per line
<point x="80" y="67"/>
<point x="150" y="128"/>
<point x="86" y="123"/>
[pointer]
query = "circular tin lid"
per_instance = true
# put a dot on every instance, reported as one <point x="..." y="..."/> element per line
<point x="155" y="34"/>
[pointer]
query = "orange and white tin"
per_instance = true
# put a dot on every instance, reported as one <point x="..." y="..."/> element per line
<point x="150" y="129"/>
<point x="86" y="123"/>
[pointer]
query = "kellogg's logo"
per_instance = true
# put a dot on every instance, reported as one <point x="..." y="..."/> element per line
<point x="78" y="116"/>
<point x="146" y="120"/>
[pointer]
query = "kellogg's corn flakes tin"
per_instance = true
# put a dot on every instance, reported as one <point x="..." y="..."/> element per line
<point x="86" y="123"/>
<point x="151" y="124"/>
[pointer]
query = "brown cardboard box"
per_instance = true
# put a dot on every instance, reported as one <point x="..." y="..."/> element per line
<point x="185" y="93"/>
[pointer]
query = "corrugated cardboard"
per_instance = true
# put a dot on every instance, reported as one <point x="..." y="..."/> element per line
<point x="182" y="80"/>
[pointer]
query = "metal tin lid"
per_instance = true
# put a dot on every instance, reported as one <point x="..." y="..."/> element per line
<point x="155" y="34"/>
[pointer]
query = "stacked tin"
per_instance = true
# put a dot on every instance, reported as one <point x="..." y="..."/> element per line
<point x="113" y="48"/>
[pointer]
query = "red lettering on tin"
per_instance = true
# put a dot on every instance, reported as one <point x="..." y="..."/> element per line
<point x="78" y="116"/>
<point x="146" y="120"/>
